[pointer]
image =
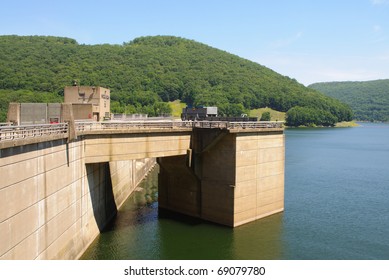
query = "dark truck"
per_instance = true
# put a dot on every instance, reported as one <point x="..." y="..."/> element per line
<point x="202" y="113"/>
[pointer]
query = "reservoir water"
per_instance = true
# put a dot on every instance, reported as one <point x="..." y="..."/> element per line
<point x="336" y="207"/>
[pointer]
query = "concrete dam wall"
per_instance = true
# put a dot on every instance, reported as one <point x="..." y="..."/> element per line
<point x="53" y="204"/>
<point x="59" y="191"/>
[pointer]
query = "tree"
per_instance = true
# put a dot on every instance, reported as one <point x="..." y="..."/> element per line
<point x="265" y="116"/>
<point x="298" y="116"/>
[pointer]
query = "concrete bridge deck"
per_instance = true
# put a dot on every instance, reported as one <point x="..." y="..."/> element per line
<point x="12" y="136"/>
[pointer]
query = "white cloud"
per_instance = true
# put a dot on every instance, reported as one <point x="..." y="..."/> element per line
<point x="377" y="28"/>
<point x="379" y="34"/>
<point x="379" y="2"/>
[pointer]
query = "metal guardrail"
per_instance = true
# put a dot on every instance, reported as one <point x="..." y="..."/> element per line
<point x="237" y="125"/>
<point x="95" y="126"/>
<point x="12" y="133"/>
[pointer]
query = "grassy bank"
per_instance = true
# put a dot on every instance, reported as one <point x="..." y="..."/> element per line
<point x="177" y="107"/>
<point x="274" y="115"/>
<point x="346" y="124"/>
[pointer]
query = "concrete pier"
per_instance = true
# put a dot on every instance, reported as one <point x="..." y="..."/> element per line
<point x="233" y="177"/>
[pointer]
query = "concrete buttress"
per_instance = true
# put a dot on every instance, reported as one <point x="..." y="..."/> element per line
<point x="228" y="177"/>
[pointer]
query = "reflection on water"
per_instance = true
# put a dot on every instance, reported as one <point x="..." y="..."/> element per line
<point x="195" y="239"/>
<point x="336" y="207"/>
<point x="259" y="240"/>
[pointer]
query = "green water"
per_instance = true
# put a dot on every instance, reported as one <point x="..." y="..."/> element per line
<point x="336" y="207"/>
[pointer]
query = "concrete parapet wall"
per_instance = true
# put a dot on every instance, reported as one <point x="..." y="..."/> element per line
<point x="52" y="204"/>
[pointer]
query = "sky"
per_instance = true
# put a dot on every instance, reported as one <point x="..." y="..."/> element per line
<point x="310" y="41"/>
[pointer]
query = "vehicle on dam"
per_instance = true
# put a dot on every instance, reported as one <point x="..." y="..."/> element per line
<point x="202" y="113"/>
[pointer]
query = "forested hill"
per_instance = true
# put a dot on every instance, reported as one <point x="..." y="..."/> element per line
<point x="147" y="71"/>
<point x="369" y="100"/>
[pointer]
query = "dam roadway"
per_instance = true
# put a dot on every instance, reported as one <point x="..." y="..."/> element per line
<point x="62" y="183"/>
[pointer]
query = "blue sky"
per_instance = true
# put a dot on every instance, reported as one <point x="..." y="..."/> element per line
<point x="311" y="41"/>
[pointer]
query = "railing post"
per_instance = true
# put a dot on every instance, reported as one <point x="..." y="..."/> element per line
<point x="67" y="117"/>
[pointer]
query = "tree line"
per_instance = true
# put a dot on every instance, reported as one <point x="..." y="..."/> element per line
<point x="369" y="100"/>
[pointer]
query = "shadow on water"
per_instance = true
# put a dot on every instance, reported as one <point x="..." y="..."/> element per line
<point x="184" y="237"/>
<point x="164" y="214"/>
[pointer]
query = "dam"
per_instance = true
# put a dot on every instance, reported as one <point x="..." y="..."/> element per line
<point x="62" y="183"/>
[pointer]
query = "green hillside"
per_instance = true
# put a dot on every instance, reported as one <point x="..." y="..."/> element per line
<point x="147" y="72"/>
<point x="369" y="100"/>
